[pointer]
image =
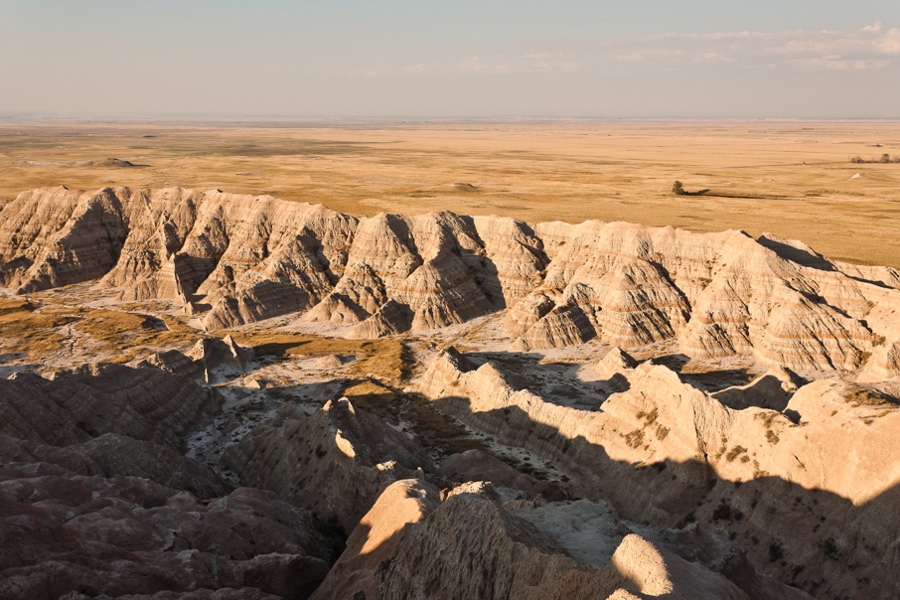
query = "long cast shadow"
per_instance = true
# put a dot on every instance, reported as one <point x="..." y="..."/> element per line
<point x="812" y="539"/>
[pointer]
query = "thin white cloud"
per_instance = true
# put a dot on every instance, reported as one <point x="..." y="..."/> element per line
<point x="836" y="63"/>
<point x="529" y="62"/>
<point x="870" y="47"/>
<point x="712" y="56"/>
<point x="489" y="65"/>
<point x="375" y="71"/>
<point x="890" y="42"/>
<point x="421" y="68"/>
<point x="385" y="71"/>
<point x="644" y="54"/>
<point x="497" y="64"/>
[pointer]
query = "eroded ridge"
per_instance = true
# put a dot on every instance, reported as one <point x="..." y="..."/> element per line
<point x="767" y="460"/>
<point x="235" y="397"/>
<point x="233" y="260"/>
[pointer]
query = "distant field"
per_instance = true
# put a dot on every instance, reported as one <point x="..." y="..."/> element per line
<point x="794" y="179"/>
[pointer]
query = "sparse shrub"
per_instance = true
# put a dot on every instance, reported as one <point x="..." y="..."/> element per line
<point x="678" y="189"/>
<point x="769" y="418"/>
<point x="771" y="437"/>
<point x="776" y="552"/>
<point x="885" y="159"/>
<point x="861" y="396"/>
<point x="722" y="512"/>
<point x="661" y="432"/>
<point x="649" y="416"/>
<point x="829" y="547"/>
<point x="734" y="453"/>
<point x="635" y="439"/>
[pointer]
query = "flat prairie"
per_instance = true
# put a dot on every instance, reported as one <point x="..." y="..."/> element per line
<point x="792" y="178"/>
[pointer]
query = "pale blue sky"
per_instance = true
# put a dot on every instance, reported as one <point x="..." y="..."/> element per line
<point x="698" y="58"/>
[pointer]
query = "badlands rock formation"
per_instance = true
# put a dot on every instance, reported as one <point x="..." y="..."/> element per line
<point x="74" y="406"/>
<point x="632" y="412"/>
<point x="666" y="452"/>
<point x="250" y="258"/>
<point x="95" y="497"/>
<point x="410" y="545"/>
<point x="122" y="536"/>
<point x="200" y="361"/>
<point x="338" y="460"/>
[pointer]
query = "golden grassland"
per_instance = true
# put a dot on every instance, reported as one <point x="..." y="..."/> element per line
<point x="790" y="178"/>
<point x="379" y="366"/>
<point x="115" y="335"/>
<point x="24" y="331"/>
<point x="385" y="358"/>
<point x="113" y="329"/>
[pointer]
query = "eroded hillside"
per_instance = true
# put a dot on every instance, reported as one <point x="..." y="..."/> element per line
<point x="477" y="406"/>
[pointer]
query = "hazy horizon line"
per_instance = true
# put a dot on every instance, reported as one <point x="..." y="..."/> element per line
<point x="202" y="118"/>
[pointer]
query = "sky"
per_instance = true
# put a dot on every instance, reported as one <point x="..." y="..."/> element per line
<point x="421" y="59"/>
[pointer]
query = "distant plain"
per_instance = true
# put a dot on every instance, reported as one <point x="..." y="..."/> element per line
<point x="791" y="178"/>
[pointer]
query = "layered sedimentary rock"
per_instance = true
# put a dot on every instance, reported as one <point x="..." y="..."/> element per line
<point x="122" y="536"/>
<point x="248" y="258"/>
<point x="391" y="318"/>
<point x="55" y="237"/>
<point x="377" y="538"/>
<point x="108" y="421"/>
<point x="665" y="451"/>
<point x="234" y="259"/>
<point x="719" y="294"/>
<point x="638" y="479"/>
<point x="112" y="455"/>
<point x="411" y="546"/>
<point x="207" y="355"/>
<point x="476" y="465"/>
<point x="73" y="406"/>
<point x="333" y="463"/>
<point x="97" y="500"/>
